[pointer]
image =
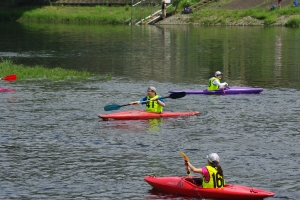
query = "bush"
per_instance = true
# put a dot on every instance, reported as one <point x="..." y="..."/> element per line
<point x="270" y="20"/>
<point x="260" y="15"/>
<point x="293" y="22"/>
<point x="186" y="3"/>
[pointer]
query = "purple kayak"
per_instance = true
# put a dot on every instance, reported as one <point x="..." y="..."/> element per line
<point x="230" y="90"/>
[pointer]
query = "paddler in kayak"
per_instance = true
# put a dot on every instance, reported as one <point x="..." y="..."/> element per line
<point x="212" y="173"/>
<point x="153" y="102"/>
<point x="214" y="82"/>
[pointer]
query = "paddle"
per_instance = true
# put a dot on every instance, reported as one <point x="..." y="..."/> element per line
<point x="10" y="78"/>
<point x="186" y="159"/>
<point x="116" y="106"/>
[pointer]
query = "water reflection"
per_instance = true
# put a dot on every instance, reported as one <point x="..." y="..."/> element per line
<point x="135" y="126"/>
<point x="248" y="56"/>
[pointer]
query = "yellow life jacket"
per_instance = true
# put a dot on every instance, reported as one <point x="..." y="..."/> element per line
<point x="215" y="179"/>
<point x="212" y="86"/>
<point x="153" y="106"/>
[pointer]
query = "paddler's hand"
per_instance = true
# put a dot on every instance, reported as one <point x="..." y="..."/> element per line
<point x="186" y="163"/>
<point x="135" y="103"/>
<point x="155" y="99"/>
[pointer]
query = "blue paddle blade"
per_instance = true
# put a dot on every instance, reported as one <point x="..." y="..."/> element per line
<point x="112" y="107"/>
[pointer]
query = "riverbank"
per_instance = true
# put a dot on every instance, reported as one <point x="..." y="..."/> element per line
<point x="287" y="16"/>
<point x="40" y="72"/>
<point x="68" y="14"/>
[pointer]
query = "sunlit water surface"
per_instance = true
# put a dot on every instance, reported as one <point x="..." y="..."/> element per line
<point x="53" y="146"/>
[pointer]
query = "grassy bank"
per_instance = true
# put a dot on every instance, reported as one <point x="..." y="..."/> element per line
<point x="97" y="14"/>
<point x="288" y="16"/>
<point x="40" y="72"/>
<point x="76" y="14"/>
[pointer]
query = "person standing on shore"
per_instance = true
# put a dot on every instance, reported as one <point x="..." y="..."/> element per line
<point x="279" y="3"/>
<point x="296" y="3"/>
<point x="163" y="9"/>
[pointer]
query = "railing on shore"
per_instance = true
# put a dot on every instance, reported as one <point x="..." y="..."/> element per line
<point x="145" y="6"/>
<point x="151" y="19"/>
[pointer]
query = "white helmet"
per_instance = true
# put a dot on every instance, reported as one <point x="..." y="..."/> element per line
<point x="218" y="73"/>
<point x="213" y="157"/>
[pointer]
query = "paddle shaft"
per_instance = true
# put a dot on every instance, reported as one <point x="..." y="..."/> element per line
<point x="116" y="106"/>
<point x="143" y="102"/>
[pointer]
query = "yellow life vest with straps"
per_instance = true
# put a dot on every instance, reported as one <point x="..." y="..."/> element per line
<point x="215" y="179"/>
<point x="212" y="86"/>
<point x="153" y="106"/>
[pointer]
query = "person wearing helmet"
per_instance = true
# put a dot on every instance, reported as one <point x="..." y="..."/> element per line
<point x="214" y="82"/>
<point x="154" y="103"/>
<point x="212" y="173"/>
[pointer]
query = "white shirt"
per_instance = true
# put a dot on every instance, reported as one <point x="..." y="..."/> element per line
<point x="221" y="85"/>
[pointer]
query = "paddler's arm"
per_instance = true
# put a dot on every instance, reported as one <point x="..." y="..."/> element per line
<point x="159" y="101"/>
<point x="138" y="102"/>
<point x="221" y="85"/>
<point x="194" y="169"/>
<point x="135" y="103"/>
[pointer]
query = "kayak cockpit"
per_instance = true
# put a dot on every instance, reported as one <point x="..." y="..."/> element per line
<point x="197" y="181"/>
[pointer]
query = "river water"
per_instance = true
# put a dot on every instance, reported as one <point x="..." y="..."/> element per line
<point x="53" y="146"/>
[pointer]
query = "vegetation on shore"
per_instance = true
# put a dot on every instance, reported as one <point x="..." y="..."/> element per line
<point x="40" y="72"/>
<point x="77" y="14"/>
<point x="287" y="16"/>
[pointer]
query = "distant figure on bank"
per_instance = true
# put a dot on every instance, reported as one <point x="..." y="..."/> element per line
<point x="279" y="3"/>
<point x="163" y="9"/>
<point x="273" y="8"/>
<point x="214" y="82"/>
<point x="296" y="3"/>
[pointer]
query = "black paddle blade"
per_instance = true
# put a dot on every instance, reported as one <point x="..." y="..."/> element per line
<point x="112" y="107"/>
<point x="177" y="95"/>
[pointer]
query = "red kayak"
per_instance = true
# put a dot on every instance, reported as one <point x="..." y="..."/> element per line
<point x="141" y="114"/>
<point x="7" y="90"/>
<point x="192" y="188"/>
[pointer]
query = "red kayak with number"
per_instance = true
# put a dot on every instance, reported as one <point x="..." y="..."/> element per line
<point x="141" y="114"/>
<point x="191" y="187"/>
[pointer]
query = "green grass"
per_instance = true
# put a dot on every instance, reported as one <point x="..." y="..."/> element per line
<point x="97" y="14"/>
<point x="118" y="15"/>
<point x="39" y="72"/>
<point x="77" y="14"/>
<point x="293" y="22"/>
<point x="263" y="16"/>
